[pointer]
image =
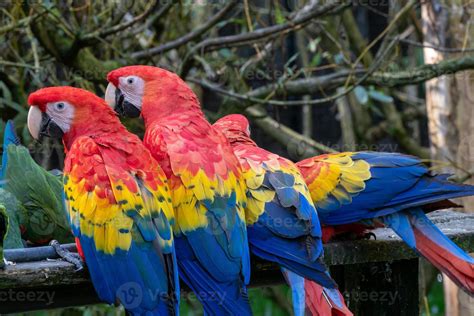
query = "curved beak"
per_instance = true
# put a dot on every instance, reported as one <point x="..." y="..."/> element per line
<point x="110" y="95"/>
<point x="40" y="124"/>
<point x="34" y="121"/>
<point x="116" y="100"/>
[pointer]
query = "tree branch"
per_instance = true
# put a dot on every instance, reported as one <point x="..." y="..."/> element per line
<point x="358" y="81"/>
<point x="298" y="145"/>
<point x="93" y="37"/>
<point x="422" y="73"/>
<point x="438" y="48"/>
<point x="20" y="23"/>
<point x="83" y="61"/>
<point x="298" y="19"/>
<point x="187" y="37"/>
<point x="314" y="85"/>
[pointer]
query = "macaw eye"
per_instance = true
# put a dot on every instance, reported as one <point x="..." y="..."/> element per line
<point x="59" y="106"/>
<point x="130" y="80"/>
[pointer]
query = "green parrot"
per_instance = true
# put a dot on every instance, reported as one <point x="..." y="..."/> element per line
<point x="41" y="215"/>
<point x="3" y="233"/>
<point x="10" y="235"/>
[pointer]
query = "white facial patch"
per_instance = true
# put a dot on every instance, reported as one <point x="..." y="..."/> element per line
<point x="62" y="113"/>
<point x="132" y="88"/>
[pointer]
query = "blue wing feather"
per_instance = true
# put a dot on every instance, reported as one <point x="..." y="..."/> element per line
<point x="397" y="182"/>
<point x="289" y="253"/>
<point x="296" y="284"/>
<point x="289" y="232"/>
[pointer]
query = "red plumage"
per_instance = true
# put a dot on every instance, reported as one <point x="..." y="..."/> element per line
<point x="319" y="304"/>
<point x="454" y="267"/>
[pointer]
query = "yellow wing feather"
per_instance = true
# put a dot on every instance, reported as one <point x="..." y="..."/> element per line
<point x="334" y="176"/>
<point x="105" y="201"/>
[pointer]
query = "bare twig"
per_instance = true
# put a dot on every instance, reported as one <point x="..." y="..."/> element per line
<point x="315" y="84"/>
<point x="436" y="47"/>
<point x="405" y="10"/>
<point x="342" y="93"/>
<point x="152" y="18"/>
<point x="91" y="38"/>
<point x="188" y="37"/>
<point x="19" y="23"/>
<point x="422" y="73"/>
<point x="14" y="64"/>
<point x="62" y="23"/>
<point x="300" y="145"/>
<point x="299" y="19"/>
<point x="255" y="60"/>
<point x="34" y="48"/>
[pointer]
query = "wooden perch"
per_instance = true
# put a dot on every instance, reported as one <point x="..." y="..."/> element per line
<point x="38" y="280"/>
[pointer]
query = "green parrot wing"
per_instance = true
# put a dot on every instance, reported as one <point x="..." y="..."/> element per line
<point x="10" y="233"/>
<point x="40" y="193"/>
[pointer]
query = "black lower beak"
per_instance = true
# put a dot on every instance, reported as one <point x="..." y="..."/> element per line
<point x="49" y="128"/>
<point x="123" y="107"/>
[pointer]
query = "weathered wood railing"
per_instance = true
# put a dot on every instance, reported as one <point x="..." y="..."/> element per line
<point x="377" y="277"/>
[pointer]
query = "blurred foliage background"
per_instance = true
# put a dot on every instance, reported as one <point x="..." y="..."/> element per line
<point x="313" y="77"/>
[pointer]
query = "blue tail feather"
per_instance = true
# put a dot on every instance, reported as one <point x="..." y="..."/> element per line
<point x="289" y="253"/>
<point x="217" y="297"/>
<point x="9" y="138"/>
<point x="134" y="278"/>
<point x="296" y="284"/>
<point x="403" y="222"/>
<point x="422" y="235"/>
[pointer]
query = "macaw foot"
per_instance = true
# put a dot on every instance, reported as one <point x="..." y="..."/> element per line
<point x="368" y="235"/>
<point x="68" y="256"/>
<point x="8" y="263"/>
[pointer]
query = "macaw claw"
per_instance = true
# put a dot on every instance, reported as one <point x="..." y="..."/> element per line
<point x="68" y="256"/>
<point x="368" y="235"/>
<point x="8" y="263"/>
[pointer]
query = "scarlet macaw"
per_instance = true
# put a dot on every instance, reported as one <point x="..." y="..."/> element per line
<point x="395" y="189"/>
<point x="205" y="180"/>
<point x="283" y="225"/>
<point x="117" y="199"/>
<point x="353" y="192"/>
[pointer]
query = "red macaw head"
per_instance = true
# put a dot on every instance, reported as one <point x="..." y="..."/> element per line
<point x="235" y="127"/>
<point x="133" y="88"/>
<point x="65" y="111"/>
